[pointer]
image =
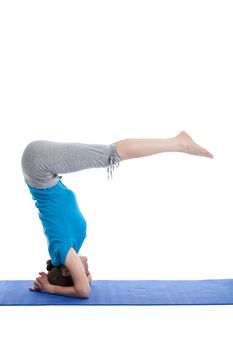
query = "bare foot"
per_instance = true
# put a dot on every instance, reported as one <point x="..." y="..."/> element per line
<point x="190" y="147"/>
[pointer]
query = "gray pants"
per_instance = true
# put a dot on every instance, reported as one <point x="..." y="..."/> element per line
<point x="42" y="161"/>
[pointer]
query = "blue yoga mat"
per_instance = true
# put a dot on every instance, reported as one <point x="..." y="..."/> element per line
<point x="127" y="292"/>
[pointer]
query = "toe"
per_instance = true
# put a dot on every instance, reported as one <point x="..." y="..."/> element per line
<point x="208" y="154"/>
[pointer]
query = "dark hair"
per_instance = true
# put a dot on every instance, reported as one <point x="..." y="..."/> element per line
<point x="55" y="275"/>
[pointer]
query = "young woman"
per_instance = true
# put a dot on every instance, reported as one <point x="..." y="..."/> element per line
<point x="63" y="223"/>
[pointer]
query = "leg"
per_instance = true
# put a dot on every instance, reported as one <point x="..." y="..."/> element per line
<point x="43" y="160"/>
<point x="134" y="148"/>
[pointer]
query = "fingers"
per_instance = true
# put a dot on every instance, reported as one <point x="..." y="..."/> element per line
<point x="40" y="282"/>
<point x="43" y="274"/>
<point x="36" y="288"/>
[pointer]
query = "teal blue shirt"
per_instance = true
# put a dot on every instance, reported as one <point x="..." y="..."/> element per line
<point x="63" y="223"/>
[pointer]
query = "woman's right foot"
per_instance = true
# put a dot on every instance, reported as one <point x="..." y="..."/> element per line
<point x="189" y="146"/>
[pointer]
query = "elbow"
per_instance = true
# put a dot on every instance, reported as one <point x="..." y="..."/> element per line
<point x="86" y="295"/>
<point x="83" y="293"/>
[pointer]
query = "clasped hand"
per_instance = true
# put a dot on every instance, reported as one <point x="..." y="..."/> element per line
<point x="41" y="283"/>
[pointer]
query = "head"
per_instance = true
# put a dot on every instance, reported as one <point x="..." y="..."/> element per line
<point x="59" y="275"/>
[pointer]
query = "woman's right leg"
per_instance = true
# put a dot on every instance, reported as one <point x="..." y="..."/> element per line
<point x="134" y="148"/>
<point x="43" y="160"/>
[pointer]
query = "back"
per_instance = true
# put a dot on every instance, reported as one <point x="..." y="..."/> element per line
<point x="62" y="220"/>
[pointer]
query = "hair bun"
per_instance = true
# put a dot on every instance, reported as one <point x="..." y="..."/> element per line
<point x="50" y="266"/>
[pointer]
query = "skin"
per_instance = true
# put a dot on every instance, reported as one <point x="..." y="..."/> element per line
<point x="127" y="149"/>
<point x="42" y="284"/>
<point x="135" y="148"/>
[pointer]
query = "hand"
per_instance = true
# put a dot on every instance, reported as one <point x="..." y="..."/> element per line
<point x="41" y="283"/>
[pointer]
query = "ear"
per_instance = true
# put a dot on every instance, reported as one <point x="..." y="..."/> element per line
<point x="64" y="271"/>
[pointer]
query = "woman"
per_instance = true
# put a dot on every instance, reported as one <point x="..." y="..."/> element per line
<point x="63" y="223"/>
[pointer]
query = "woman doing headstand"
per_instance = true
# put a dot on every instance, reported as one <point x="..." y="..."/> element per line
<point x="63" y="223"/>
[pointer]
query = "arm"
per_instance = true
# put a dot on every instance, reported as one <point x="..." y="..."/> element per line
<point x="84" y="260"/>
<point x="81" y="281"/>
<point x="66" y="291"/>
<point x="42" y="284"/>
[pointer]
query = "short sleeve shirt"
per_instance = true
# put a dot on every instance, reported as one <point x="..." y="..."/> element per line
<point x="63" y="223"/>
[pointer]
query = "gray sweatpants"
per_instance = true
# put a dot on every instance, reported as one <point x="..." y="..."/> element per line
<point x="42" y="161"/>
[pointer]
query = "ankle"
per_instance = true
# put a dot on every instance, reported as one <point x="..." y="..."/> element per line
<point x="177" y="144"/>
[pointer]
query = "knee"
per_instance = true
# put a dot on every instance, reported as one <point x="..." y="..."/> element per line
<point x="29" y="154"/>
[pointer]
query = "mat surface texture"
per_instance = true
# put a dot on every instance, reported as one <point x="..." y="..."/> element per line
<point x="127" y="292"/>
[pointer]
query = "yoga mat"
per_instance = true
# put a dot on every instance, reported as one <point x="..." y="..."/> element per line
<point x="127" y="292"/>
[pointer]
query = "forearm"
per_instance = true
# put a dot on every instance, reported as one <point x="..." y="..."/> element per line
<point x="66" y="291"/>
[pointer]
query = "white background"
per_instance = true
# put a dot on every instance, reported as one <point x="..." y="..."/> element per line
<point x="99" y="72"/>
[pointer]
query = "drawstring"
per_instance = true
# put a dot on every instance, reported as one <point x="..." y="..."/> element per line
<point x="113" y="162"/>
<point x="57" y="176"/>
